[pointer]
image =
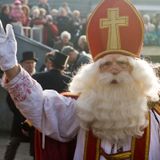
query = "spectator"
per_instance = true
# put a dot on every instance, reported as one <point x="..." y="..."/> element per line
<point x="42" y="13"/>
<point x="25" y="2"/>
<point x="157" y="24"/>
<point x="47" y="61"/>
<point x="149" y="27"/>
<point x="66" y="7"/>
<point x="17" y="14"/>
<point x="35" y="12"/>
<point x="45" y="5"/>
<point x="150" y="37"/>
<point x="76" y="59"/>
<point x="63" y="41"/>
<point x="76" y="26"/>
<point x="50" y="32"/>
<point x="36" y="19"/>
<point x="84" y="22"/>
<point x="26" y="18"/>
<point x="54" y="14"/>
<point x="29" y="61"/>
<point x="64" y="21"/>
<point x="54" y="77"/>
<point x="83" y="44"/>
<point x="5" y="15"/>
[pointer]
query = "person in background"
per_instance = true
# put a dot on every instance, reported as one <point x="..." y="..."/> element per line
<point x="29" y="61"/>
<point x="76" y="59"/>
<point x="76" y="26"/>
<point x="16" y="13"/>
<point x="25" y="2"/>
<point x="47" y="65"/>
<point x="83" y="44"/>
<point x="66" y="7"/>
<point x="5" y="15"/>
<point x="54" y="77"/>
<point x="19" y="134"/>
<point x="26" y="18"/>
<point x="64" y="21"/>
<point x="50" y="32"/>
<point x="64" y="40"/>
<point x="150" y="36"/>
<point x="54" y="14"/>
<point x="37" y="16"/>
<point x="44" y="4"/>
<point x="110" y="117"/>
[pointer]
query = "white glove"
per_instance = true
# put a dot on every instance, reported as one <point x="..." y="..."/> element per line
<point x="8" y="48"/>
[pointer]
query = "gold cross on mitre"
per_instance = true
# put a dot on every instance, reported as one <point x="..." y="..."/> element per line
<point x="113" y="22"/>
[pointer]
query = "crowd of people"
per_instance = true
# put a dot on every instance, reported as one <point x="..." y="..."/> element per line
<point x="53" y="21"/>
<point x="95" y="104"/>
<point x="56" y="20"/>
<point x="152" y="30"/>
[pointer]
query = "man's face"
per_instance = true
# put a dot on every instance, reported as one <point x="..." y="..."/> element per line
<point x="49" y="64"/>
<point x="115" y="64"/>
<point x="29" y="66"/>
<point x="72" y="57"/>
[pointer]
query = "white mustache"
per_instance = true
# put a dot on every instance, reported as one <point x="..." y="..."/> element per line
<point x="120" y="78"/>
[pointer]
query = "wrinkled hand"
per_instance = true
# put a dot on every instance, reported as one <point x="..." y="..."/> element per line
<point x="8" y="48"/>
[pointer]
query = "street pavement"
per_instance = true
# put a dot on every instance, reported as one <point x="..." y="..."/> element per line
<point x="23" y="150"/>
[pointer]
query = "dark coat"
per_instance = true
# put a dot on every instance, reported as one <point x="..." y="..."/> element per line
<point x="53" y="79"/>
<point x="18" y="118"/>
<point x="81" y="60"/>
<point x="50" y="32"/>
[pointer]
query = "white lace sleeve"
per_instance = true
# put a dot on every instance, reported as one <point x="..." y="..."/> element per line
<point x="47" y="110"/>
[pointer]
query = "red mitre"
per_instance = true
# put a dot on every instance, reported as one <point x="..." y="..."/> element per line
<point x="115" y="26"/>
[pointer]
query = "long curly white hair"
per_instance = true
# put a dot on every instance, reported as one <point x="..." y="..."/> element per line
<point x="115" y="111"/>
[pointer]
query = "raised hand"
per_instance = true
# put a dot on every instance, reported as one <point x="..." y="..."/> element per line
<point x="8" y="48"/>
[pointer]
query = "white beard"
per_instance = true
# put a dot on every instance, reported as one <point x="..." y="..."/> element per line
<point x="113" y="111"/>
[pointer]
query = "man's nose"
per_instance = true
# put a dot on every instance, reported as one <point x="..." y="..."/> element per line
<point x="115" y="72"/>
<point x="115" y="69"/>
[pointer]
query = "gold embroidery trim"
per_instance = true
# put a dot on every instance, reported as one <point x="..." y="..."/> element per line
<point x="148" y="138"/>
<point x="98" y="149"/>
<point x="157" y="108"/>
<point x="118" y="156"/>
